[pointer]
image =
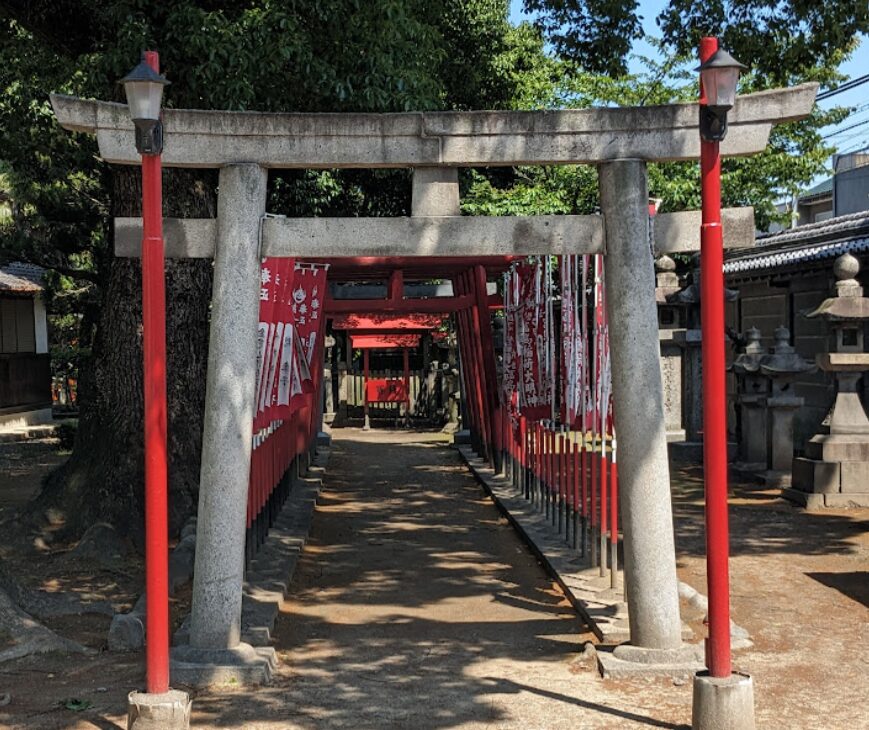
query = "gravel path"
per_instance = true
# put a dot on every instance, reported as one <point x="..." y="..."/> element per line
<point x="416" y="606"/>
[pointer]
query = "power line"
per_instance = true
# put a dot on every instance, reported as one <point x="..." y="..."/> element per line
<point x="856" y="146"/>
<point x="847" y="86"/>
<point x="845" y="129"/>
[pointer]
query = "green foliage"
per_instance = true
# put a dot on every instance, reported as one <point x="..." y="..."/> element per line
<point x="595" y="33"/>
<point x="795" y="156"/>
<point x="562" y="190"/>
<point x="784" y="42"/>
<point x="66" y="432"/>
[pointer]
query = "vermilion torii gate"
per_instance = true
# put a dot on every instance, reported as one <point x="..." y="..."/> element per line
<point x="470" y="303"/>
<point x="243" y="145"/>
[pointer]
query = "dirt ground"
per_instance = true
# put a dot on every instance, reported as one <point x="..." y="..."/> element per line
<point x="415" y="606"/>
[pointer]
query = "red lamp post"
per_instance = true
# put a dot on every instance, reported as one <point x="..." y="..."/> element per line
<point x="144" y="89"/>
<point x="718" y="73"/>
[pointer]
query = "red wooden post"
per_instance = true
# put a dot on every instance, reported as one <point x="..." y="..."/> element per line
<point x="604" y="491"/>
<point x="614" y="524"/>
<point x="406" y="363"/>
<point x="562" y="483"/>
<point x="465" y="358"/>
<point x="593" y="487"/>
<point x="396" y="286"/>
<point x="367" y="422"/>
<point x="479" y="371"/>
<point x="553" y="476"/>
<point x="537" y="468"/>
<point x="541" y="464"/>
<point x="575" y="477"/>
<point x="714" y="399"/>
<point x="583" y="468"/>
<point x="544" y="432"/>
<point x="156" y="459"/>
<point x="523" y="455"/>
<point x="487" y="343"/>
<point x="474" y="368"/>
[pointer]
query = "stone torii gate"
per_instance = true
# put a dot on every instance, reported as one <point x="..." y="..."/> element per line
<point x="244" y="145"/>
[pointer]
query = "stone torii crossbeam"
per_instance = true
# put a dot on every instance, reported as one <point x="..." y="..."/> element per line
<point x="243" y="145"/>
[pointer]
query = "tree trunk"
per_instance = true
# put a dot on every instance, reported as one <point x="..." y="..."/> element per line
<point x="104" y="477"/>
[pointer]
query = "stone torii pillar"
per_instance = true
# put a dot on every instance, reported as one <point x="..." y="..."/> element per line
<point x="215" y="623"/>
<point x="638" y="401"/>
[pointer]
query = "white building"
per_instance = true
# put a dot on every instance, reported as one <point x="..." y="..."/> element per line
<point x="25" y="368"/>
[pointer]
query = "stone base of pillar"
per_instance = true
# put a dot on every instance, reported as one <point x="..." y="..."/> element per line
<point x="723" y="703"/>
<point x="692" y="451"/>
<point x="166" y="711"/>
<point x="833" y="473"/>
<point x="675" y="435"/>
<point x="775" y="479"/>
<point x="242" y="665"/>
<point x="835" y="500"/>
<point x="627" y="661"/>
<point x="685" y="451"/>
<point x="462" y="437"/>
<point x="329" y="417"/>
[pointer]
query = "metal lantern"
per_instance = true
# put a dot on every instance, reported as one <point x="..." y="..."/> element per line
<point x="144" y="89"/>
<point x="719" y="74"/>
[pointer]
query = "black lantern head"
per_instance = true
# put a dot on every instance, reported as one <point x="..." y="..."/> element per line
<point x="719" y="75"/>
<point x="144" y="89"/>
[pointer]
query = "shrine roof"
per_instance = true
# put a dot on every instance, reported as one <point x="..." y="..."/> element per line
<point x="814" y="243"/>
<point x="380" y="322"/>
<point x="21" y="278"/>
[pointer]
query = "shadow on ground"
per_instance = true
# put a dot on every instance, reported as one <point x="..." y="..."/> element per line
<point x="761" y="521"/>
<point x="416" y="606"/>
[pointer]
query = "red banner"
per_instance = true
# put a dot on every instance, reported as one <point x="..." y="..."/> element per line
<point x="383" y="390"/>
<point x="602" y="390"/>
<point x="534" y="381"/>
<point x="308" y="294"/>
<point x="510" y="358"/>
<point x="275" y="278"/>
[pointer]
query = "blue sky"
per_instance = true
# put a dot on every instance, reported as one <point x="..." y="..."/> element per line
<point x="857" y="66"/>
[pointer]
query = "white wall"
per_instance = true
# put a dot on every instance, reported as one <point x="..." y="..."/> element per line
<point x="40" y="324"/>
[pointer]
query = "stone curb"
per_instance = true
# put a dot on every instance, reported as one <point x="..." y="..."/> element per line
<point x="268" y="578"/>
<point x="267" y="582"/>
<point x="601" y="607"/>
<point x="28" y="433"/>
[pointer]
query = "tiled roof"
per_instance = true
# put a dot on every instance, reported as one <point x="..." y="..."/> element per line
<point x="825" y="187"/>
<point x="803" y="244"/>
<point x="20" y="277"/>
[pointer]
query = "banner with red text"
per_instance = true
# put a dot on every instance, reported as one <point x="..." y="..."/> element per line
<point x="275" y="280"/>
<point x="534" y="371"/>
<point x="308" y="295"/>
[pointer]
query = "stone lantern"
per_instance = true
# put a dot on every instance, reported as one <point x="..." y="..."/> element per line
<point x="752" y="390"/>
<point x="835" y="470"/>
<point x="328" y="383"/>
<point x="781" y="367"/>
<point x="689" y="340"/>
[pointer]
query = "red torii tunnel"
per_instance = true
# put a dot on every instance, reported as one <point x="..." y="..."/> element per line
<point x="398" y="315"/>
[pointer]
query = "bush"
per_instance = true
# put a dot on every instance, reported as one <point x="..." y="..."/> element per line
<point x="66" y="431"/>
